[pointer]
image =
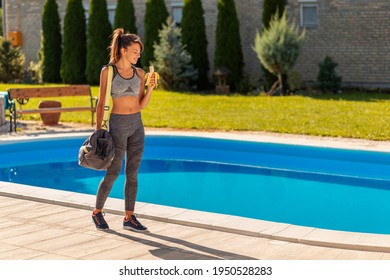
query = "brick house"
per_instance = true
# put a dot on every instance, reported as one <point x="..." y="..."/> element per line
<point x="355" y="33"/>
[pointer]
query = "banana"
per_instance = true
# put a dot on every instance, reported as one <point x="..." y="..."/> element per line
<point x="149" y="75"/>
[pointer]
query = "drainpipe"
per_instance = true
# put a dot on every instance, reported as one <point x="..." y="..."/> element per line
<point x="3" y="23"/>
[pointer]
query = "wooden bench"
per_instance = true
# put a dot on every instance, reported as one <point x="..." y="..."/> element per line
<point x="22" y="96"/>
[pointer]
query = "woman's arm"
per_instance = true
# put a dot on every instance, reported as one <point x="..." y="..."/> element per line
<point x="102" y="97"/>
<point x="145" y="96"/>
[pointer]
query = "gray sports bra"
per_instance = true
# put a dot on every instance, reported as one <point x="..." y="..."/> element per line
<point x="125" y="87"/>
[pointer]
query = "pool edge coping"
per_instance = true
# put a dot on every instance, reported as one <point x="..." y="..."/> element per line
<point x="207" y="220"/>
<point x="292" y="139"/>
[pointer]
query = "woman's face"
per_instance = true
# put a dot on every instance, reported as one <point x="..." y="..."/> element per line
<point x="132" y="53"/>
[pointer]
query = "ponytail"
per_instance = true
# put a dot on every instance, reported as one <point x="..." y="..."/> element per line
<point x="115" y="54"/>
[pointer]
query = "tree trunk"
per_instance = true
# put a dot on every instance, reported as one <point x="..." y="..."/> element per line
<point x="273" y="88"/>
<point x="280" y="80"/>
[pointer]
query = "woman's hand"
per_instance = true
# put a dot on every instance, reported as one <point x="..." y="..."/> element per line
<point x="152" y="82"/>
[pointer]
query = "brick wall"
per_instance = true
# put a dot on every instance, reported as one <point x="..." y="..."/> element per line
<point x="356" y="33"/>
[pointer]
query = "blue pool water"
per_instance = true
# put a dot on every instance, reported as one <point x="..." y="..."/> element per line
<point x="309" y="186"/>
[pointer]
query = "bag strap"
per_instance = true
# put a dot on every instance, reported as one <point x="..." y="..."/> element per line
<point x="107" y="105"/>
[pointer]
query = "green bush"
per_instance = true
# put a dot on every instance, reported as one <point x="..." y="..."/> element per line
<point x="125" y="16"/>
<point x="278" y="48"/>
<point x="173" y="62"/>
<point x="228" y="52"/>
<point x="270" y="8"/>
<point x="74" y="44"/>
<point x="193" y="32"/>
<point x="327" y="79"/>
<point x="11" y="63"/>
<point x="155" y="16"/>
<point x="99" y="31"/>
<point x="51" y="45"/>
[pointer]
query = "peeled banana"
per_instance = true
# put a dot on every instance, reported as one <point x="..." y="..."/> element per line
<point x="149" y="75"/>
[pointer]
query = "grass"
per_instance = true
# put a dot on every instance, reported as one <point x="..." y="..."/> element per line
<point x="352" y="114"/>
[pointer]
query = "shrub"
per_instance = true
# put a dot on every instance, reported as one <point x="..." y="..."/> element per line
<point x="99" y="31"/>
<point x="327" y="79"/>
<point x="74" y="44"/>
<point x="173" y="62"/>
<point x="124" y="16"/>
<point x="228" y="52"/>
<point x="51" y="49"/>
<point x="194" y="38"/>
<point x="11" y="63"/>
<point x="31" y="74"/>
<point x="271" y="8"/>
<point x="155" y="16"/>
<point x="278" y="48"/>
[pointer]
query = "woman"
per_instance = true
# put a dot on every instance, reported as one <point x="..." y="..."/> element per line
<point x="125" y="124"/>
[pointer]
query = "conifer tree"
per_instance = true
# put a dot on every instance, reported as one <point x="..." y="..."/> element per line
<point x="125" y="16"/>
<point x="173" y="62"/>
<point x="74" y="44"/>
<point x="11" y="62"/>
<point x="278" y="48"/>
<point x="156" y="15"/>
<point x="327" y="79"/>
<point x="51" y="49"/>
<point x="99" y="31"/>
<point x="228" y="52"/>
<point x="194" y="38"/>
<point x="270" y="8"/>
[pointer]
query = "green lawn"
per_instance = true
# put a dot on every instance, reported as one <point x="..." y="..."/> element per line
<point x="354" y="114"/>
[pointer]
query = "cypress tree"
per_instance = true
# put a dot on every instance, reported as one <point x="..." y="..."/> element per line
<point x="74" y="46"/>
<point x="194" y="38"/>
<point x="155" y="16"/>
<point x="125" y="16"/>
<point x="270" y="8"/>
<point x="99" y="31"/>
<point x="51" y="49"/>
<point x="228" y="52"/>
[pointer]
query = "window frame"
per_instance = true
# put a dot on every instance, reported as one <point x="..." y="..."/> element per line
<point x="308" y="4"/>
<point x="177" y="4"/>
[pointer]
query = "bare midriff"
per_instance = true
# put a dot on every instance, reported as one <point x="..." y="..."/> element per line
<point x="125" y="105"/>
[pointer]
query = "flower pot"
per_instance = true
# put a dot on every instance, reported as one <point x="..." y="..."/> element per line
<point x="50" y="118"/>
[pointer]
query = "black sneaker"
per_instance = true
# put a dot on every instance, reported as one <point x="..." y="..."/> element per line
<point x="134" y="225"/>
<point x="99" y="221"/>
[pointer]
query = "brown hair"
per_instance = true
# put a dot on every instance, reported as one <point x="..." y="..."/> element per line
<point x="120" y="39"/>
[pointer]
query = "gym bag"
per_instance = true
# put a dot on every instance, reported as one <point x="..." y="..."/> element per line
<point x="98" y="150"/>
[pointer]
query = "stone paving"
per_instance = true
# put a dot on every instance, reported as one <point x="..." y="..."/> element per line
<point x="34" y="230"/>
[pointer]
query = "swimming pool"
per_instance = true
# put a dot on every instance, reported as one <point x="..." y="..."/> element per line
<point x="302" y="185"/>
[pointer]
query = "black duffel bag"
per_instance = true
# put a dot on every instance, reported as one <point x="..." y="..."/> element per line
<point x="98" y="151"/>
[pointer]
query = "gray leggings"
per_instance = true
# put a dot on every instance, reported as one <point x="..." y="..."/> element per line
<point x="128" y="134"/>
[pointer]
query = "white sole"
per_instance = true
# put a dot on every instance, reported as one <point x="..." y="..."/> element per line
<point x="136" y="230"/>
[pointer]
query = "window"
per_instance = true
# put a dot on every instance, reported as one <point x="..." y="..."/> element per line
<point x="111" y="13"/>
<point x="110" y="9"/>
<point x="177" y="11"/>
<point x="308" y="13"/>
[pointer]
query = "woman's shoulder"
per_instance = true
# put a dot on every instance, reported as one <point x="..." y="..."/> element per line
<point x="105" y="66"/>
<point x="140" y="71"/>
